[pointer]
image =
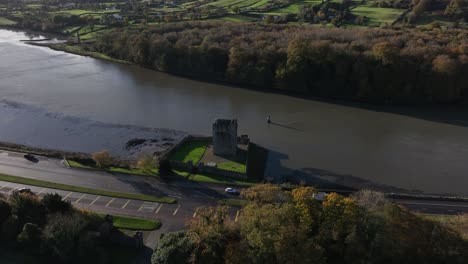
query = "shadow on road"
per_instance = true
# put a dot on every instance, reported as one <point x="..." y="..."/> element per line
<point x="319" y="178"/>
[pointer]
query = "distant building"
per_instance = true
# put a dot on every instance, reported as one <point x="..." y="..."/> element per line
<point x="225" y="137"/>
<point x="117" y="16"/>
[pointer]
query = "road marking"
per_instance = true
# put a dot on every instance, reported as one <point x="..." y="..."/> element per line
<point x="125" y="205"/>
<point x="110" y="202"/>
<point x="67" y="196"/>
<point x="449" y="205"/>
<point x="159" y="208"/>
<point x="80" y="198"/>
<point x="141" y="206"/>
<point x="195" y="214"/>
<point x="95" y="200"/>
<point x="176" y="210"/>
<point x="237" y="216"/>
<point x="43" y="189"/>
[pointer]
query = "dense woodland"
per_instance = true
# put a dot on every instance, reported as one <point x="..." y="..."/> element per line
<point x="50" y="230"/>
<point x="293" y="227"/>
<point x="425" y="65"/>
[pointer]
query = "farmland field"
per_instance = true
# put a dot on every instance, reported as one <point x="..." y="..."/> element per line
<point x="378" y="15"/>
<point x="6" y="22"/>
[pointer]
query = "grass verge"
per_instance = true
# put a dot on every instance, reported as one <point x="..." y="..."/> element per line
<point x="135" y="223"/>
<point x="233" y="166"/>
<point x="191" y="150"/>
<point x="133" y="171"/>
<point x="66" y="187"/>
<point x="221" y="180"/>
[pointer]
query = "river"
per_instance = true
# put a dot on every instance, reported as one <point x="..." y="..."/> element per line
<point x="47" y="96"/>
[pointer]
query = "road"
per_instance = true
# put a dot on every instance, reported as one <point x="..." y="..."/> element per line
<point x="190" y="195"/>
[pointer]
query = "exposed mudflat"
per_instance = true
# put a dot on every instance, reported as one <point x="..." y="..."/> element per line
<point x="33" y="126"/>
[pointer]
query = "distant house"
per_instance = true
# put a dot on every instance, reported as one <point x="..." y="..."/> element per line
<point x="320" y="196"/>
<point x="117" y="16"/>
<point x="68" y="5"/>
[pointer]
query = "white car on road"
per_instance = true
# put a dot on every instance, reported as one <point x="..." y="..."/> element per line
<point x="231" y="191"/>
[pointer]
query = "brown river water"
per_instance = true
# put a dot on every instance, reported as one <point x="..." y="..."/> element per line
<point x="58" y="100"/>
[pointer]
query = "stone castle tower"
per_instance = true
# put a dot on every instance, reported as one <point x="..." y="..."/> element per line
<point x="225" y="137"/>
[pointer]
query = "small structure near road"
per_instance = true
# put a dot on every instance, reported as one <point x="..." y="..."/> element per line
<point x="225" y="137"/>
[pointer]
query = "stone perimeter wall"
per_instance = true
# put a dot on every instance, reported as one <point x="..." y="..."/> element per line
<point x="202" y="168"/>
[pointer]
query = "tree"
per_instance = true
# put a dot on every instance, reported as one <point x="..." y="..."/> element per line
<point x="386" y="52"/>
<point x="27" y="208"/>
<point x="339" y="219"/>
<point x="371" y="200"/>
<point x="5" y="211"/>
<point x="173" y="248"/>
<point x="444" y="64"/>
<point x="308" y="208"/>
<point x="61" y="235"/>
<point x="456" y="9"/>
<point x="10" y="228"/>
<point x="30" y="236"/>
<point x="263" y="193"/>
<point x="102" y="158"/>
<point x="273" y="233"/>
<point x="209" y="234"/>
<point x="146" y="162"/>
<point x="53" y="203"/>
<point x="269" y="19"/>
<point x="421" y="7"/>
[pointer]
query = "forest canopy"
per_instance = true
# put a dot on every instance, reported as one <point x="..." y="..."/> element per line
<point x="424" y="65"/>
<point x="278" y="226"/>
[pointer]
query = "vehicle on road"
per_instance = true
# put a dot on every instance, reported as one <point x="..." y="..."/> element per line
<point x="231" y="191"/>
<point x="320" y="196"/>
<point x="31" y="158"/>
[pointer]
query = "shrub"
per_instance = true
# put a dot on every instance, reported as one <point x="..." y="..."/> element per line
<point x="102" y="158"/>
<point x="10" y="228"/>
<point x="146" y="163"/>
<point x="5" y="210"/>
<point x="27" y="208"/>
<point x="61" y="235"/>
<point x="173" y="248"/>
<point x="30" y="236"/>
<point x="53" y="203"/>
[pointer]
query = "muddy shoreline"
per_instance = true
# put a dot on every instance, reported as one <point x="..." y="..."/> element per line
<point x="57" y="154"/>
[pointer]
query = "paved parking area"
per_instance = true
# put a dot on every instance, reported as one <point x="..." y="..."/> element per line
<point x="106" y="204"/>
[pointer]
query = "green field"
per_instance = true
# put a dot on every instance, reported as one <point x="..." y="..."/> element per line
<point x="233" y="166"/>
<point x="191" y="150"/>
<point x="6" y="22"/>
<point x="80" y="12"/>
<point x="378" y="15"/>
<point x="220" y="180"/>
